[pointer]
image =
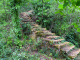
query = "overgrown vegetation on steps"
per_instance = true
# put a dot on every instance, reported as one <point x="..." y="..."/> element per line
<point x="69" y="51"/>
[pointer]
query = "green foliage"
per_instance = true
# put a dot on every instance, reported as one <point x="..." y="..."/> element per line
<point x="60" y="18"/>
<point x="26" y="28"/>
<point x="9" y="40"/>
<point x="60" y="6"/>
<point x="71" y="37"/>
<point x="56" y="16"/>
<point x="65" y="4"/>
<point x="78" y="3"/>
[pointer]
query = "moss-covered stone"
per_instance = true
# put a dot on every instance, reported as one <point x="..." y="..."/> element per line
<point x="39" y="33"/>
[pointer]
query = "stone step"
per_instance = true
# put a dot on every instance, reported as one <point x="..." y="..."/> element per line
<point x="40" y="33"/>
<point x="43" y="29"/>
<point x="74" y="53"/>
<point x="34" y="24"/>
<point x="26" y="21"/>
<point x="49" y="34"/>
<point x="47" y="31"/>
<point x="52" y="37"/>
<point x="34" y="29"/>
<point x="59" y="40"/>
<point x="43" y="34"/>
<point x="61" y="44"/>
<point x="67" y="48"/>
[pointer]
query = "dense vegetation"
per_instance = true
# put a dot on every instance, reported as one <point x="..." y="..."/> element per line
<point x="55" y="17"/>
<point x="60" y="17"/>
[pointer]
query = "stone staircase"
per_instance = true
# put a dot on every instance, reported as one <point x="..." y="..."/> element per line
<point x="56" y="41"/>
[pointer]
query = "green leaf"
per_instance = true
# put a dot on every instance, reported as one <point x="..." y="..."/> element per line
<point x="57" y="12"/>
<point x="37" y="20"/>
<point x="61" y="13"/>
<point x="65" y="4"/>
<point x="61" y="0"/>
<point x="47" y="0"/>
<point x="78" y="3"/>
<point x="9" y="42"/>
<point x="75" y="25"/>
<point x="60" y="6"/>
<point x="0" y="35"/>
<point x="45" y="21"/>
<point x="78" y="29"/>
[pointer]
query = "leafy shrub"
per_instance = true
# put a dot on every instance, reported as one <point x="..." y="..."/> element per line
<point x="26" y="28"/>
<point x="72" y="37"/>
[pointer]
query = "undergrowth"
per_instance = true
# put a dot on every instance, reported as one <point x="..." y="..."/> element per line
<point x="14" y="48"/>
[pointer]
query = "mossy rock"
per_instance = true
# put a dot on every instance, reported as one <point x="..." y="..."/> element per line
<point x="39" y="33"/>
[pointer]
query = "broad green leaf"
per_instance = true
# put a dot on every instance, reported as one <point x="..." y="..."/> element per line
<point x="45" y="20"/>
<point x="75" y="25"/>
<point x="57" y="12"/>
<point x="60" y="0"/>
<point x="78" y="29"/>
<point x="37" y="20"/>
<point x="47" y="0"/>
<point x="60" y="6"/>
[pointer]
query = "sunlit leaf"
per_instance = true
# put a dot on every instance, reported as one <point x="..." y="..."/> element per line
<point x="60" y="6"/>
<point x="75" y="25"/>
<point x="78" y="29"/>
<point x="59" y="11"/>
